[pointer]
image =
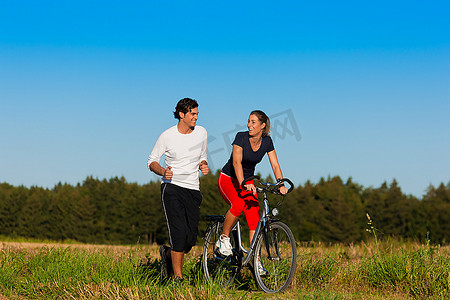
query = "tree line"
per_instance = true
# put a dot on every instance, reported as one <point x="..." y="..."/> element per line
<point x="115" y="211"/>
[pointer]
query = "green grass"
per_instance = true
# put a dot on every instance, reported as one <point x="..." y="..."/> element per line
<point x="389" y="269"/>
<point x="17" y="239"/>
<point x="421" y="273"/>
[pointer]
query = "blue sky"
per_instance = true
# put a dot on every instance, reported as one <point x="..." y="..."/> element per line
<point x="86" y="87"/>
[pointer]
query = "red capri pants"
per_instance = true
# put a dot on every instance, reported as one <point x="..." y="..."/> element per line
<point x="240" y="200"/>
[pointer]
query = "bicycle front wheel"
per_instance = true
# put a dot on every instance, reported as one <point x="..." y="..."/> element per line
<point x="218" y="269"/>
<point x="275" y="258"/>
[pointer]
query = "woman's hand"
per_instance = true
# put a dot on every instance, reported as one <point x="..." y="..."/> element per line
<point x="250" y="187"/>
<point x="283" y="190"/>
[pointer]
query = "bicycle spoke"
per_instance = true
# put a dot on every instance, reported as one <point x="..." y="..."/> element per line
<point x="217" y="269"/>
<point x="278" y="260"/>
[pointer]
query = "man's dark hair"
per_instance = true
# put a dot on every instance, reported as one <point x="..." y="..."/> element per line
<point x="184" y="105"/>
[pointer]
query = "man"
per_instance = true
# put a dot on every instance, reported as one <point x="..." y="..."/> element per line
<point x="184" y="146"/>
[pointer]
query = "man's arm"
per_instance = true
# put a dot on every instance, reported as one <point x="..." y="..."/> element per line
<point x="155" y="167"/>
<point x="203" y="157"/>
<point x="155" y="156"/>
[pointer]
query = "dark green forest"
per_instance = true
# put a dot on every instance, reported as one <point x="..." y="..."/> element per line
<point x="115" y="211"/>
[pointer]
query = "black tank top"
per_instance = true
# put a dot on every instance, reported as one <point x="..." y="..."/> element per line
<point x="250" y="158"/>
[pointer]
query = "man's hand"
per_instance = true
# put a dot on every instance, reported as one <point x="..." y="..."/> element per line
<point x="168" y="173"/>
<point x="204" y="168"/>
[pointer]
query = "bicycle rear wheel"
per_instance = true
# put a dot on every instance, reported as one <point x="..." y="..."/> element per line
<point x="218" y="269"/>
<point x="275" y="259"/>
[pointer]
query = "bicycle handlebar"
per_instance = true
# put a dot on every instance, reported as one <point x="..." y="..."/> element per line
<point x="248" y="179"/>
<point x="268" y="184"/>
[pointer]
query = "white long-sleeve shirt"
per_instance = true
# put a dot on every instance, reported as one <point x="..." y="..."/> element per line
<point x="183" y="152"/>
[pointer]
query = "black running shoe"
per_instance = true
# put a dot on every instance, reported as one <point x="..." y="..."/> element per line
<point x="178" y="281"/>
<point x="166" y="262"/>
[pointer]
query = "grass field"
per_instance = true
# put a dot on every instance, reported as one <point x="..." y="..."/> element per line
<point x="388" y="269"/>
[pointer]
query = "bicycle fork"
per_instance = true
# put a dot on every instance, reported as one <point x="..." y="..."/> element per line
<point x="275" y="244"/>
<point x="266" y="226"/>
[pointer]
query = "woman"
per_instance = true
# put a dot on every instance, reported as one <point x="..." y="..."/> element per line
<point x="249" y="147"/>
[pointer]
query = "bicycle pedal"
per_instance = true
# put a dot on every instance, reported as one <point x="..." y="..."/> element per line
<point x="220" y="255"/>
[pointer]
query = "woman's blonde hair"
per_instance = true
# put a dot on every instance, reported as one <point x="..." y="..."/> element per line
<point x="263" y="118"/>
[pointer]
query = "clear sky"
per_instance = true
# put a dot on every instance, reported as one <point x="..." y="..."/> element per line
<point x="355" y="88"/>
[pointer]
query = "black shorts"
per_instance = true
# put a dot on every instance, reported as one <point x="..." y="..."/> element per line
<point x="182" y="209"/>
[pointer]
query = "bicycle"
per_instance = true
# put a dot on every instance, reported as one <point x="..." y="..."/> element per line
<point x="273" y="247"/>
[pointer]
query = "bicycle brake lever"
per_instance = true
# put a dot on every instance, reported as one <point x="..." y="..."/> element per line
<point x="259" y="189"/>
<point x="275" y="191"/>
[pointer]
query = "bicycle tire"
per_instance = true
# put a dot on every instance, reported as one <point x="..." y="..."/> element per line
<point x="281" y="264"/>
<point x="217" y="269"/>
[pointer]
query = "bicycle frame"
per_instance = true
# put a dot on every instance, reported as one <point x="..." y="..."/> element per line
<point x="262" y="223"/>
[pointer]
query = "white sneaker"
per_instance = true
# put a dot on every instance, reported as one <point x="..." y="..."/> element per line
<point x="224" y="245"/>
<point x="261" y="270"/>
